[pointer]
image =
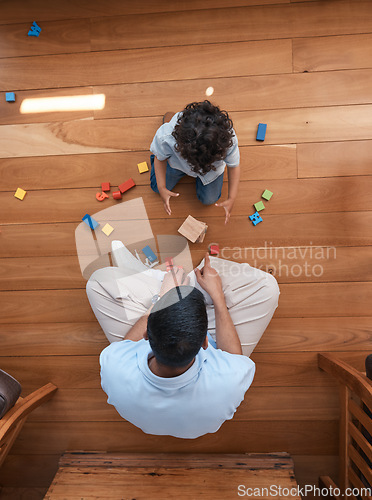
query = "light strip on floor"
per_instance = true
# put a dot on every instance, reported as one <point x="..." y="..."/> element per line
<point x="66" y="103"/>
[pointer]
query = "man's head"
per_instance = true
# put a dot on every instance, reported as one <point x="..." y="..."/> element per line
<point x="177" y="326"/>
<point x="203" y="135"/>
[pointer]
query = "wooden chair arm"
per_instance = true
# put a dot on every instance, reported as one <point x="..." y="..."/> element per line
<point x="24" y="406"/>
<point x="347" y="375"/>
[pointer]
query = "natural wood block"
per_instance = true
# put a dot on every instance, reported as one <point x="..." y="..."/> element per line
<point x="193" y="230"/>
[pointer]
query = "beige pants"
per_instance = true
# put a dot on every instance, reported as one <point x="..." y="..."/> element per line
<point x="120" y="296"/>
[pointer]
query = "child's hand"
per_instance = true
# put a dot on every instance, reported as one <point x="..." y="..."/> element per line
<point x="228" y="206"/>
<point x="165" y="195"/>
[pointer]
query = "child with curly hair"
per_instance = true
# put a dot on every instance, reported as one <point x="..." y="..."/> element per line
<point x="199" y="141"/>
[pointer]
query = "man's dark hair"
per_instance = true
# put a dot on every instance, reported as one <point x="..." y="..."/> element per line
<point x="203" y="135"/>
<point x="177" y="326"/>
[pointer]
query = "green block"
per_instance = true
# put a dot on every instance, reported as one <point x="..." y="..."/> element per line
<point x="267" y="194"/>
<point x="259" y="206"/>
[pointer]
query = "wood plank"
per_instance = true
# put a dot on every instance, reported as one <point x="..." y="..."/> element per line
<point x="288" y="265"/>
<point x="23" y="493"/>
<point x="328" y="229"/>
<point x="17" y="11"/>
<point x="296" y="300"/>
<point x="239" y="93"/>
<point x="282" y="335"/>
<point x="159" y="483"/>
<point x="57" y="37"/>
<point x="332" y="53"/>
<point x="317" y="195"/>
<point x="286" y="21"/>
<point x="260" y="403"/>
<point x="309" y="468"/>
<point x="130" y="134"/>
<point x="233" y="437"/>
<point x="298" y="369"/>
<point x="82" y="171"/>
<point x="141" y="65"/>
<point x="38" y="471"/>
<point x="316" y="334"/>
<point x="333" y="159"/>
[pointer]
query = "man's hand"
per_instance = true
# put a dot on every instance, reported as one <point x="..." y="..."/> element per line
<point x="175" y="277"/>
<point x="228" y="206"/>
<point x="166" y="195"/>
<point x="209" y="279"/>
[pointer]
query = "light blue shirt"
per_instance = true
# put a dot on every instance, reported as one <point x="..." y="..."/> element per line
<point x="186" y="406"/>
<point x="162" y="147"/>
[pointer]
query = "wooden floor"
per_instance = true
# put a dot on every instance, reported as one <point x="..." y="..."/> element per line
<point x="305" y="69"/>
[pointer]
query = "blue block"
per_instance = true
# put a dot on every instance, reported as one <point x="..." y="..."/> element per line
<point x="10" y="96"/>
<point x="149" y="254"/>
<point x="35" y="26"/>
<point x="255" y="218"/>
<point x="261" y="132"/>
<point x="90" y="221"/>
<point x="33" y="32"/>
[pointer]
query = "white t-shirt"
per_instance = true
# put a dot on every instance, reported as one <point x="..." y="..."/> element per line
<point x="187" y="406"/>
<point x="163" y="144"/>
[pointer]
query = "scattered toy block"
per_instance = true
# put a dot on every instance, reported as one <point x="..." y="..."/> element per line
<point x="126" y="185"/>
<point x="20" y="193"/>
<point x="266" y="195"/>
<point x="101" y="196"/>
<point x="35" y="30"/>
<point x="259" y="206"/>
<point x="261" y="132"/>
<point x="116" y="195"/>
<point x="93" y="224"/>
<point x="10" y="96"/>
<point x="255" y="218"/>
<point x="142" y="167"/>
<point x="105" y="186"/>
<point x="107" y="229"/>
<point x="214" y="249"/>
<point x="149" y="253"/>
<point x="194" y="230"/>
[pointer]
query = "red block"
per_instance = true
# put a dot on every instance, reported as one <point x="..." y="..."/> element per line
<point x="214" y="249"/>
<point x="116" y="195"/>
<point x="105" y="186"/>
<point x="127" y="185"/>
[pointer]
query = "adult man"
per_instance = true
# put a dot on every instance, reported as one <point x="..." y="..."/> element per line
<point x="166" y="377"/>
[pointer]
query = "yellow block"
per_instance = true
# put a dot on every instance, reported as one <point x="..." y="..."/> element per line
<point x="142" y="167"/>
<point x="20" y="194"/>
<point x="107" y="229"/>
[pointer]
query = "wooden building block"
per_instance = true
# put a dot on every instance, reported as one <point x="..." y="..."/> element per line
<point x="266" y="195"/>
<point x="142" y="167"/>
<point x="259" y="206"/>
<point x="214" y="249"/>
<point x="261" y="132"/>
<point x="193" y="230"/>
<point x="255" y="218"/>
<point x="149" y="253"/>
<point x="107" y="229"/>
<point x="20" y="193"/>
<point x="105" y="186"/>
<point x="116" y="195"/>
<point x="9" y="96"/>
<point x="126" y="185"/>
<point x="101" y="196"/>
<point x="93" y="224"/>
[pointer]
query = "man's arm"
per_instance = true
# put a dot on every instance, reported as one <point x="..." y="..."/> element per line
<point x="227" y="338"/>
<point x="171" y="279"/>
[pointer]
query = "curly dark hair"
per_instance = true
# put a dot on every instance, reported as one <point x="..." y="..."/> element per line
<point x="203" y="135"/>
